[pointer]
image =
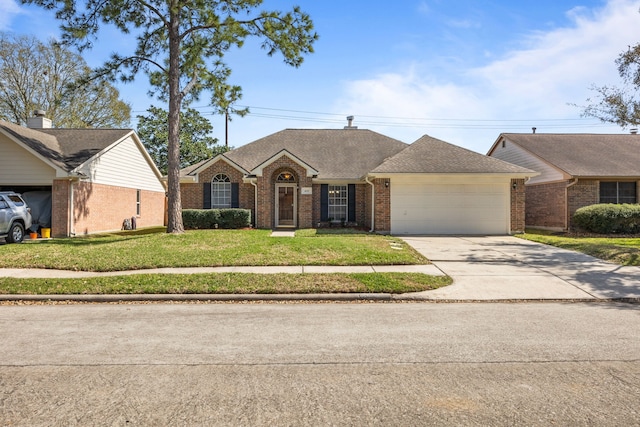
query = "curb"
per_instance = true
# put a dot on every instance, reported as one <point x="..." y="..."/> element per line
<point x="199" y="297"/>
<point x="355" y="297"/>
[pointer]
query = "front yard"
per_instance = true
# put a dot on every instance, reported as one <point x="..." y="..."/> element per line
<point x="153" y="248"/>
<point x="619" y="250"/>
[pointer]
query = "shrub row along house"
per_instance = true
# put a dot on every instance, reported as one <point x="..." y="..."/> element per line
<point x="576" y="170"/>
<point x="81" y="181"/>
<point x="301" y="178"/>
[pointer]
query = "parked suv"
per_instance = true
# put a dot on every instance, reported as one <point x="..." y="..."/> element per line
<point x="15" y="217"/>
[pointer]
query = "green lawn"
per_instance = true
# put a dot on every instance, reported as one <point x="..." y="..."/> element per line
<point x="153" y="248"/>
<point x="619" y="250"/>
<point x="228" y="283"/>
<point x="208" y="248"/>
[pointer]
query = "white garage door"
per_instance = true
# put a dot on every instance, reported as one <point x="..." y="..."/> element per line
<point x="430" y="205"/>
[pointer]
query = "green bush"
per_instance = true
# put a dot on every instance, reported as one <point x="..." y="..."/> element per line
<point x="609" y="218"/>
<point x="198" y="219"/>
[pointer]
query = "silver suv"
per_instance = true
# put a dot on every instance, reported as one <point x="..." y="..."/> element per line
<point x="15" y="217"/>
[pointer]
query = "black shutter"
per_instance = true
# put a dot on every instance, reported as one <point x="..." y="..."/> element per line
<point x="324" y="202"/>
<point x="351" y="207"/>
<point x="206" y="195"/>
<point x="235" y="197"/>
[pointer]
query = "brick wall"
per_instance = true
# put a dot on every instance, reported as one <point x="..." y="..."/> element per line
<point x="382" y="205"/>
<point x="546" y="206"/>
<point x="99" y="207"/>
<point x="517" y="206"/>
<point x="583" y="193"/>
<point x="60" y="208"/>
<point x="191" y="195"/>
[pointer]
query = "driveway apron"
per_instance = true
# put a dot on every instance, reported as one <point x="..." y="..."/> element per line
<point x="508" y="268"/>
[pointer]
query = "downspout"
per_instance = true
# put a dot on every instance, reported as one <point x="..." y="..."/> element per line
<point x="255" y="203"/>
<point x="373" y="202"/>
<point x="566" y="203"/>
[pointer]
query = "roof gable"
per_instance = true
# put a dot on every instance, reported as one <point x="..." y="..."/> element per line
<point x="195" y="169"/>
<point x="311" y="172"/>
<point x="583" y="155"/>
<point x="65" y="149"/>
<point x="429" y="155"/>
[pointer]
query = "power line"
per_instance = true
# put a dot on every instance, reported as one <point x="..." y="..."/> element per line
<point x="410" y="122"/>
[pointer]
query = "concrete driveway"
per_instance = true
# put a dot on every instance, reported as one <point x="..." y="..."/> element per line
<point x="507" y="268"/>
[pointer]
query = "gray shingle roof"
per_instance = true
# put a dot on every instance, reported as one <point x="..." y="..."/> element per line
<point x="587" y="155"/>
<point x="335" y="153"/>
<point x="431" y="155"/>
<point x="65" y="148"/>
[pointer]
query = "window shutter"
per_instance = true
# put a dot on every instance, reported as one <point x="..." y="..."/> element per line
<point x="235" y="196"/>
<point x="206" y="195"/>
<point x="324" y="202"/>
<point x="351" y="207"/>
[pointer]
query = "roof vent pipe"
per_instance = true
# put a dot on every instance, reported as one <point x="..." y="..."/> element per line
<point x="634" y="131"/>
<point x="350" y="123"/>
<point x="534" y="129"/>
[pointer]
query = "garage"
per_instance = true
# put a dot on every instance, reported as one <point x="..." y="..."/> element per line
<point x="440" y="188"/>
<point x="450" y="205"/>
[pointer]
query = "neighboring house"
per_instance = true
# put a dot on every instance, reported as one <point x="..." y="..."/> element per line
<point x="576" y="170"/>
<point x="95" y="177"/>
<point x="301" y="178"/>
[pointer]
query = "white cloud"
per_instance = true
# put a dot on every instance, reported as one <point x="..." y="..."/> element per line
<point x="8" y="9"/>
<point x="537" y="82"/>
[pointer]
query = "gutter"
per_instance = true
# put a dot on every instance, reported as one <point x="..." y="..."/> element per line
<point x="373" y="203"/>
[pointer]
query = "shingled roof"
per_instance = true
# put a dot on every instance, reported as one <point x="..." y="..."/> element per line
<point x="65" y="148"/>
<point x="335" y="153"/>
<point x="584" y="155"/>
<point x="431" y="155"/>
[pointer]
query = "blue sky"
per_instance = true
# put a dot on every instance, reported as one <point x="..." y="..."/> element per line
<point x="459" y="70"/>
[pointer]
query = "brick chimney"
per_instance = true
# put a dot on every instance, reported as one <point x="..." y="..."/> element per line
<point x="39" y="121"/>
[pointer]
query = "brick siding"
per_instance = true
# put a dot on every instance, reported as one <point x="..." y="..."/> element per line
<point x="546" y="205"/>
<point x="60" y="208"/>
<point x="583" y="193"/>
<point x="518" y="196"/>
<point x="99" y="207"/>
<point x="382" y="220"/>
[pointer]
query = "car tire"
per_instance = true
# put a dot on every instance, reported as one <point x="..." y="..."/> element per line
<point x="16" y="233"/>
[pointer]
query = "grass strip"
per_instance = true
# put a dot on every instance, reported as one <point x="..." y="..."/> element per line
<point x="228" y="283"/>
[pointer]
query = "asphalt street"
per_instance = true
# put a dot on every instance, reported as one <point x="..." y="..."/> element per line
<point x="320" y="364"/>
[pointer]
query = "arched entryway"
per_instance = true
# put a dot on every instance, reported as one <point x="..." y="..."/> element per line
<point x="286" y="200"/>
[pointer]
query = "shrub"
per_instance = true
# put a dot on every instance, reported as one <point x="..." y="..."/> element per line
<point x="609" y="218"/>
<point x="195" y="219"/>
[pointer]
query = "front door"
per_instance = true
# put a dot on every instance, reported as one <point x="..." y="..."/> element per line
<point x="285" y="205"/>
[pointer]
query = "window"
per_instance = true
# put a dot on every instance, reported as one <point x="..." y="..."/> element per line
<point x="220" y="191"/>
<point x="286" y="177"/>
<point x="618" y="192"/>
<point x="338" y="202"/>
<point x="137" y="202"/>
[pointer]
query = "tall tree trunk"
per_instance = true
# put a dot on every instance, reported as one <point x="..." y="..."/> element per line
<point x="174" y="207"/>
